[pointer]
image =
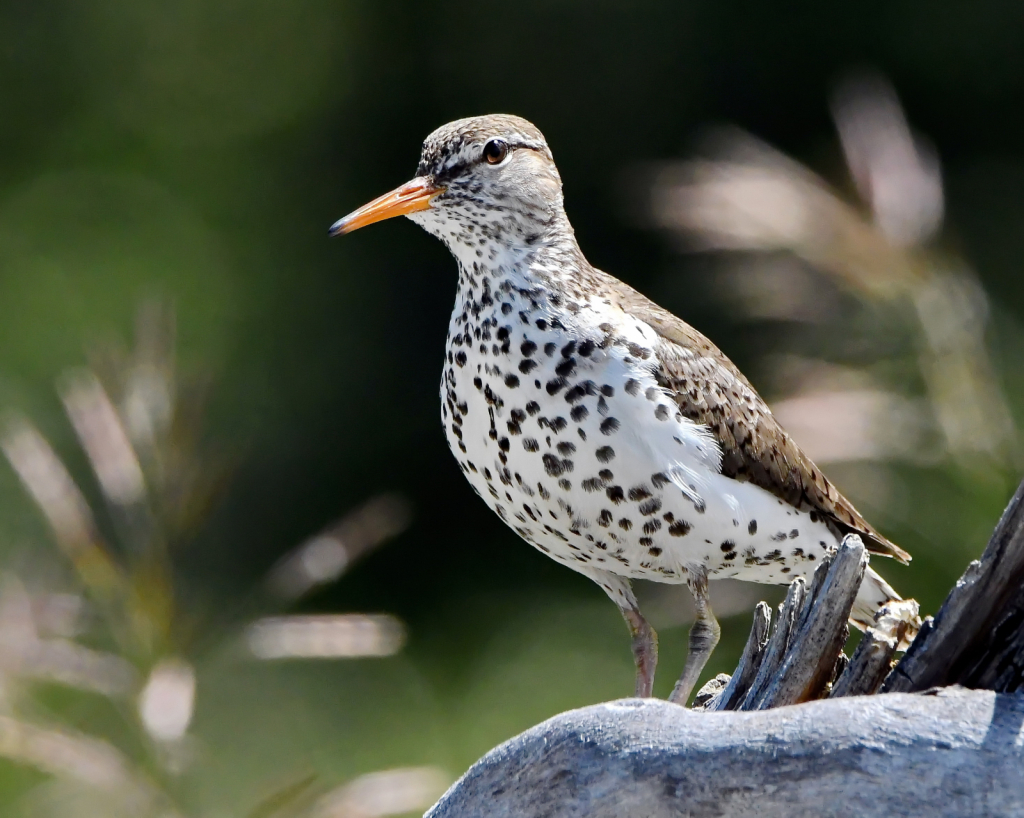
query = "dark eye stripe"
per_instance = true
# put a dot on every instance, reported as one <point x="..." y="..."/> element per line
<point x="445" y="174"/>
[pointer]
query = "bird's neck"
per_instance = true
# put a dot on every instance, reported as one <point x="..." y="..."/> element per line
<point x="548" y="263"/>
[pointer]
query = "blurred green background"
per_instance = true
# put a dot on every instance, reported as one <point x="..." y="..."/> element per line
<point x="197" y="152"/>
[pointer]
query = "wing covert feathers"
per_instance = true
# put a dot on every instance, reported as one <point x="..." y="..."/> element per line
<point x="709" y="389"/>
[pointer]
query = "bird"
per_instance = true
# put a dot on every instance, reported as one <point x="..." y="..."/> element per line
<point x="608" y="433"/>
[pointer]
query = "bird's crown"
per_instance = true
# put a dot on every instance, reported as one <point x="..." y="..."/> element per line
<point x="455" y="146"/>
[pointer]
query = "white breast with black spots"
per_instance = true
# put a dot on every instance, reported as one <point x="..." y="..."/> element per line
<point x="553" y="412"/>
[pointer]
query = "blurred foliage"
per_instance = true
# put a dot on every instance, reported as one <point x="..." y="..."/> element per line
<point x="197" y="152"/>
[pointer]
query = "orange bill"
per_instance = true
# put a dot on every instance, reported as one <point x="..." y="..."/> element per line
<point x="408" y="198"/>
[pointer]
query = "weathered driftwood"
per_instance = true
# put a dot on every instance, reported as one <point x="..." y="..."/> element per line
<point x="750" y="661"/>
<point x="873" y="659"/>
<point x="820" y="633"/>
<point x="954" y="753"/>
<point x="943" y="752"/>
<point x="868" y="668"/>
<point x="797" y="662"/>
<point x="977" y="637"/>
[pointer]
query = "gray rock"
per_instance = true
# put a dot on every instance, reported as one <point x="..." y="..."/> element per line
<point x="951" y="752"/>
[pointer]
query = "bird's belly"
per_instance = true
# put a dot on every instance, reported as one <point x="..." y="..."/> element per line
<point x="587" y="460"/>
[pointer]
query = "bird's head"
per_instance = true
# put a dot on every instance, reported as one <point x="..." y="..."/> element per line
<point x="487" y="177"/>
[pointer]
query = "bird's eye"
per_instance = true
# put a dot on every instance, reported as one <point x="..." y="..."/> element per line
<point x="495" y="151"/>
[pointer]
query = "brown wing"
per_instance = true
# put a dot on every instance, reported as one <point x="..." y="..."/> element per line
<point x="709" y="389"/>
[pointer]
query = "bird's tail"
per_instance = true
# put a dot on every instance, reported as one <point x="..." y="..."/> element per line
<point x="875" y="593"/>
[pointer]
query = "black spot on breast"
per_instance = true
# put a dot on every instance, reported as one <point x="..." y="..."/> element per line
<point x="625" y="524"/>
<point x="559" y="423"/>
<point x="566" y="448"/>
<point x="479" y="384"/>
<point x="552" y="465"/>
<point x="578" y="413"/>
<point x="568" y="349"/>
<point x="527" y="365"/>
<point x="640" y="492"/>
<point x="576" y="393"/>
<point x="541" y="324"/>
<point x="650" y="507"/>
<point x="615" y="494"/>
<point x="604" y="519"/>
<point x="605" y="454"/>
<point x="794" y="534"/>
<point x="592" y="484"/>
<point x="652" y="525"/>
<point x="530" y="444"/>
<point x="609" y="425"/>
<point x="511" y="381"/>
<point x="680" y="528"/>
<point x="527" y="348"/>
<point x="752" y="527"/>
<point x="566" y="367"/>
<point x="586" y="348"/>
<point x="460" y="358"/>
<point x="555" y="384"/>
<point x="564" y="484"/>
<point x="728" y="545"/>
<point x="659" y="480"/>
<point x="661" y="413"/>
<point x="646" y="542"/>
<point x="550" y="347"/>
<point x="632" y="386"/>
<point x="532" y="408"/>
<point x="652" y="393"/>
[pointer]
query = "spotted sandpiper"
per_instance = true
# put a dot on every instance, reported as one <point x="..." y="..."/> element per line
<point x="608" y="433"/>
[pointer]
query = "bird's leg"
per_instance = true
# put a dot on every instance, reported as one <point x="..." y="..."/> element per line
<point x="645" y="640"/>
<point x="645" y="651"/>
<point x="703" y="637"/>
